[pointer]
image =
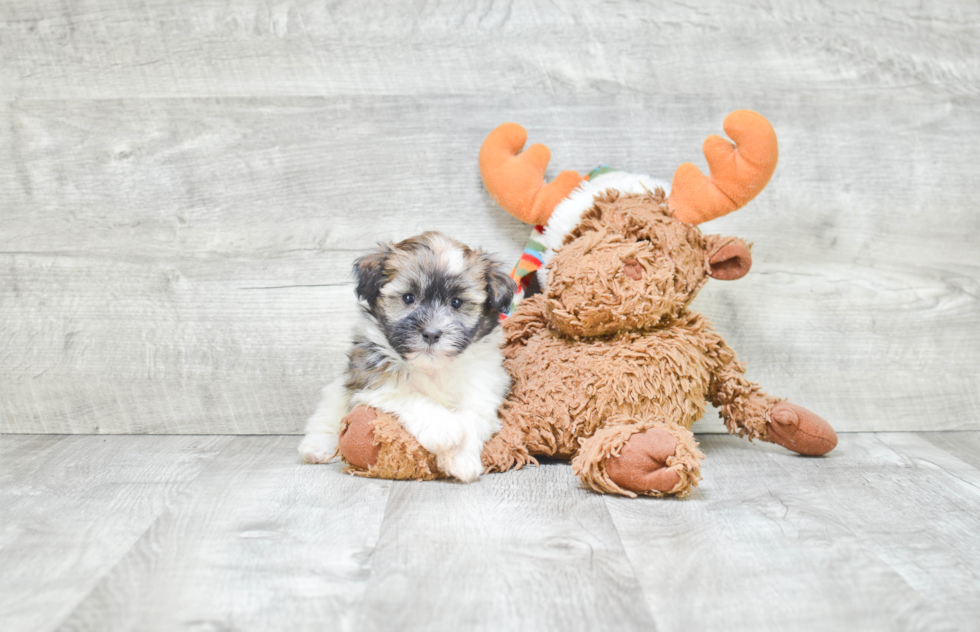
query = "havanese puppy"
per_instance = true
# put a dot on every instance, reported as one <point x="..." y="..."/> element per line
<point x="427" y="349"/>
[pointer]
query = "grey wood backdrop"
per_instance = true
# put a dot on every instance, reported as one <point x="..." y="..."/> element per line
<point x="185" y="184"/>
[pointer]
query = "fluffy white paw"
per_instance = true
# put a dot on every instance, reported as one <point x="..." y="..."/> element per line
<point x="318" y="448"/>
<point x="464" y="465"/>
<point x="442" y="436"/>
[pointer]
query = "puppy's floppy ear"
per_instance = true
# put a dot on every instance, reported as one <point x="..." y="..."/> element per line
<point x="500" y="287"/>
<point x="369" y="271"/>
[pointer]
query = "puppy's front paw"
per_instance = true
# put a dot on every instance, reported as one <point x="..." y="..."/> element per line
<point x="442" y="436"/>
<point x="461" y="464"/>
<point x="318" y="448"/>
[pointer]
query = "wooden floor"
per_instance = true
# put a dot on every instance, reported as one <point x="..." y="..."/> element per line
<point x="233" y="533"/>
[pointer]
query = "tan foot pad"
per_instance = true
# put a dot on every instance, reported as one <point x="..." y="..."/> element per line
<point x="642" y="463"/>
<point x="357" y="438"/>
<point x="800" y="430"/>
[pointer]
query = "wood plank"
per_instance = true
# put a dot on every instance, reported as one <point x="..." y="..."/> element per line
<point x="171" y="346"/>
<point x="260" y="177"/>
<point x="866" y="538"/>
<point x="259" y="541"/>
<point x="939" y="561"/>
<point x="107" y="533"/>
<point x="128" y="259"/>
<point x="965" y="446"/>
<point x="72" y="507"/>
<point x="267" y="176"/>
<point x="20" y="451"/>
<point x="115" y="48"/>
<point x="521" y="550"/>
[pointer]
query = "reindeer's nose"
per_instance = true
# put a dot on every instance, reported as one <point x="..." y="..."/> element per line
<point x="431" y="335"/>
<point x="633" y="269"/>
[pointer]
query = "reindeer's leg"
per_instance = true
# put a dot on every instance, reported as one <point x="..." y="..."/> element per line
<point x="629" y="457"/>
<point x="376" y="445"/>
<point x="748" y="411"/>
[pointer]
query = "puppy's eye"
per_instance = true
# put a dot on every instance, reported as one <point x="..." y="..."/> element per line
<point x="456" y="303"/>
<point x="408" y="299"/>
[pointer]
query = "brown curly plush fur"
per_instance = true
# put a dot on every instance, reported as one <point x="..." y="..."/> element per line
<point x="382" y="448"/>
<point x="609" y="364"/>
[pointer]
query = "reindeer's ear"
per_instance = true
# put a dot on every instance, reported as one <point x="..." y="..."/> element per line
<point x="500" y="287"/>
<point x="369" y="271"/>
<point x="729" y="258"/>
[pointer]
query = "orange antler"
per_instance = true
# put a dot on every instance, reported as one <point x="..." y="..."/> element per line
<point x="738" y="172"/>
<point x="516" y="180"/>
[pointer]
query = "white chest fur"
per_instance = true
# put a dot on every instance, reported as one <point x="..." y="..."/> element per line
<point x="450" y="407"/>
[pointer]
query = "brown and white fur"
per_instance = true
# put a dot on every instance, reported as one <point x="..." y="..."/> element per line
<point x="427" y="350"/>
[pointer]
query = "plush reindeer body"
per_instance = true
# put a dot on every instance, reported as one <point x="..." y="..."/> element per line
<point x="563" y="393"/>
<point x="609" y="351"/>
<point x="609" y="367"/>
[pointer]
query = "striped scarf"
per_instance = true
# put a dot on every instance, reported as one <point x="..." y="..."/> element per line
<point x="533" y="257"/>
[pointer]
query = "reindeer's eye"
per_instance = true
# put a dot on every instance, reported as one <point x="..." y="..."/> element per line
<point x="456" y="303"/>
<point x="408" y="299"/>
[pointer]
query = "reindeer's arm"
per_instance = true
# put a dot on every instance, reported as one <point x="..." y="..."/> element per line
<point x="748" y="411"/>
<point x="743" y="405"/>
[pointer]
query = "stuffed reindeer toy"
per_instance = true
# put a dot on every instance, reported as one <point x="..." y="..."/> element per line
<point x="609" y="367"/>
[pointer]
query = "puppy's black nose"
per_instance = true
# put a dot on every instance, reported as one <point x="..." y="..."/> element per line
<point x="431" y="335"/>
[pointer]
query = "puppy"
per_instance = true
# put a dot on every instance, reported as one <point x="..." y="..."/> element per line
<point x="427" y="350"/>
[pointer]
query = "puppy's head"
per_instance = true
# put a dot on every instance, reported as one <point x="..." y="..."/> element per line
<point x="432" y="296"/>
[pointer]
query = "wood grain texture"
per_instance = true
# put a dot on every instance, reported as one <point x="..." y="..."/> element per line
<point x="70" y="508"/>
<point x="872" y="537"/>
<point x="259" y="541"/>
<point x="206" y="533"/>
<point x="108" y="48"/>
<point x="186" y="184"/>
<point x="527" y="550"/>
<point x="963" y="445"/>
<point x="952" y="585"/>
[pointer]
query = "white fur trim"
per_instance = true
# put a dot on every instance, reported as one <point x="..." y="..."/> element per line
<point x="568" y="213"/>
